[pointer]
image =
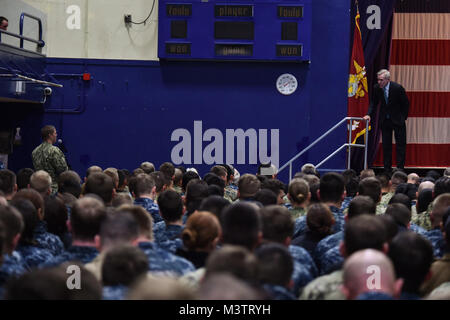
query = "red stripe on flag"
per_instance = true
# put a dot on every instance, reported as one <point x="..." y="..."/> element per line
<point x="429" y="104"/>
<point x="420" y="52"/>
<point x="420" y="155"/>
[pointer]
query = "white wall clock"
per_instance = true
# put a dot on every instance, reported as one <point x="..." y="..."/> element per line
<point x="286" y="84"/>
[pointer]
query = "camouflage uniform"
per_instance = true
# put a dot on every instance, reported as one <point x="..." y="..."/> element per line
<point x="300" y="223"/>
<point x="331" y="261"/>
<point x="324" y="288"/>
<point x="83" y="254"/>
<point x="385" y="198"/>
<point x="380" y="209"/>
<point x="422" y="220"/>
<point x="297" y="212"/>
<point x="151" y="206"/>
<point x="346" y="203"/>
<point x="161" y="260"/>
<point x="278" y="292"/>
<point x="48" y="240"/>
<point x="12" y="266"/>
<point x="417" y="229"/>
<point x="374" y="295"/>
<point x="328" y="243"/>
<point x="34" y="256"/>
<point x="230" y="193"/>
<point x="437" y="240"/>
<point x="171" y="245"/>
<point x="303" y="257"/>
<point x="163" y="232"/>
<point x="178" y="190"/>
<point x="304" y="268"/>
<point x="114" y="292"/>
<point x="51" y="159"/>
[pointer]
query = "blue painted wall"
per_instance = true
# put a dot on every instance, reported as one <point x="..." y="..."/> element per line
<point x="126" y="113"/>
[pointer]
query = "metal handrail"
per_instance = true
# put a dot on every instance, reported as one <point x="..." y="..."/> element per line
<point x="349" y="145"/>
<point x="20" y="36"/>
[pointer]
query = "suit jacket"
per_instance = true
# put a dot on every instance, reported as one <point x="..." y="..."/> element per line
<point x="397" y="106"/>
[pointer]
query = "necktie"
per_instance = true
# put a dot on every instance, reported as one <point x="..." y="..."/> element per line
<point x="386" y="94"/>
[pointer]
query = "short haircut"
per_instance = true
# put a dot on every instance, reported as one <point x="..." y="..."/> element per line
<point x="118" y="228"/>
<point x="440" y="204"/>
<point x="178" y="176"/>
<point x="214" y="204"/>
<point x="23" y="178"/>
<point x="364" y="232"/>
<point x="167" y="289"/>
<point x="412" y="256"/>
<point x="32" y="195"/>
<point x="213" y="179"/>
<point x="235" y="260"/>
<point x="201" y="229"/>
<point x="148" y="167"/>
<point x="113" y="174"/>
<point x="56" y="215"/>
<point x="160" y="180"/>
<point x="86" y="217"/>
<point x="399" y="177"/>
<point x="12" y="220"/>
<point x="188" y="176"/>
<point x="320" y="219"/>
<point x="385" y="73"/>
<point x="366" y="173"/>
<point x="277" y="223"/>
<point x="424" y="199"/>
<point x="390" y="224"/>
<point x="170" y="205"/>
<point x="400" y="213"/>
<point x="361" y="205"/>
<point x="407" y="189"/>
<point x="167" y="169"/>
<point x="441" y="186"/>
<point x="41" y="181"/>
<point x="248" y="185"/>
<point x="401" y="198"/>
<point x="266" y="197"/>
<point x="93" y="169"/>
<point x="143" y="219"/>
<point x="298" y="190"/>
<point x="196" y="191"/>
<point x="51" y="284"/>
<point x="220" y="171"/>
<point x="7" y="181"/>
<point x="370" y="187"/>
<point x="384" y="180"/>
<point x="273" y="184"/>
<point x="309" y="168"/>
<point x="275" y="264"/>
<point x="47" y="131"/>
<point x="121" y="198"/>
<point x="29" y="217"/>
<point x="241" y="225"/>
<point x="123" y="265"/>
<point x="351" y="187"/>
<point x="229" y="170"/>
<point x="69" y="182"/>
<point x="101" y="185"/>
<point x="215" y="190"/>
<point x="143" y="184"/>
<point x="332" y="187"/>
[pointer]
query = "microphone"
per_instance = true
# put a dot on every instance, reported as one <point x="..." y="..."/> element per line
<point x="61" y="146"/>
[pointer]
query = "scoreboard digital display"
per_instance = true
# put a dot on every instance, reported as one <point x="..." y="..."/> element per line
<point x="264" y="30"/>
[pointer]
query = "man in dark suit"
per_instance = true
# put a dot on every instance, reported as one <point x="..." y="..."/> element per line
<point x="394" y="107"/>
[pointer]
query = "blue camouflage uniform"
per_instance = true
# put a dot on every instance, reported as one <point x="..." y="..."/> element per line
<point x="47" y="240"/>
<point x="300" y="223"/>
<point x="302" y="256"/>
<point x="13" y="265"/>
<point x="437" y="241"/>
<point x="33" y="255"/>
<point x="331" y="261"/>
<point x="417" y="229"/>
<point x="346" y="203"/>
<point x="325" y="245"/>
<point x="163" y="261"/>
<point x="304" y="268"/>
<point x="171" y="245"/>
<point x="279" y="292"/>
<point x="374" y="295"/>
<point x="163" y="232"/>
<point x="114" y="292"/>
<point x="83" y="254"/>
<point x="152" y="208"/>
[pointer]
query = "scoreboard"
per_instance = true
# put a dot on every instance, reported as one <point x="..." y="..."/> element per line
<point x="264" y="30"/>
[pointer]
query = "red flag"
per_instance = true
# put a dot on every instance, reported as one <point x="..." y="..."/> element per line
<point x="358" y="96"/>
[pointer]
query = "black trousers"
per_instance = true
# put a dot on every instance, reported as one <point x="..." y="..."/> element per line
<point x="400" y="141"/>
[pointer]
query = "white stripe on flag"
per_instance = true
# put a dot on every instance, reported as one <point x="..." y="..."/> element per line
<point x="422" y="78"/>
<point x="421" y="26"/>
<point x="427" y="131"/>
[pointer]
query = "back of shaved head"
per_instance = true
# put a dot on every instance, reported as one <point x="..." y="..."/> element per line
<point x="369" y="270"/>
